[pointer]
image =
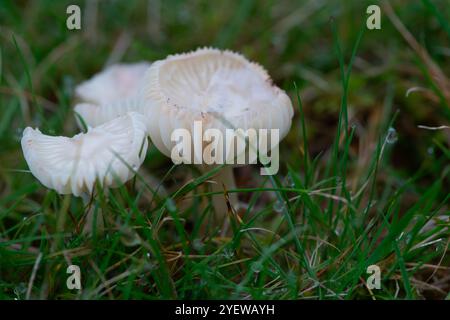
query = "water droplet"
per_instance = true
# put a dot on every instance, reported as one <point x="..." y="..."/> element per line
<point x="170" y="205"/>
<point x="278" y="206"/>
<point x="275" y="271"/>
<point x="430" y="151"/>
<point x="289" y="181"/>
<point x="291" y="276"/>
<point x="68" y="84"/>
<point x="150" y="266"/>
<point x="184" y="15"/>
<point x="256" y="267"/>
<point x="18" y="134"/>
<point x="391" y="136"/>
<point x="20" y="290"/>
<point x="198" y="244"/>
<point x="148" y="255"/>
<point x="228" y="253"/>
<point x="439" y="246"/>
<point x="37" y="122"/>
<point x="129" y="238"/>
<point x="26" y="221"/>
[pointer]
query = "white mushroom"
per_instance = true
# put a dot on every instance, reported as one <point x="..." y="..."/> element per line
<point x="110" y="154"/>
<point x="111" y="93"/>
<point x="94" y="115"/>
<point x="221" y="89"/>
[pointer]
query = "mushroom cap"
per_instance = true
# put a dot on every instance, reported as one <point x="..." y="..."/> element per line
<point x="222" y="89"/>
<point x="111" y="93"/>
<point x="117" y="82"/>
<point x="110" y="154"/>
<point x="94" y="115"/>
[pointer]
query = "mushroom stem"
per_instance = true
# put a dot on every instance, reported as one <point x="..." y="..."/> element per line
<point x="224" y="180"/>
<point x="88" y="228"/>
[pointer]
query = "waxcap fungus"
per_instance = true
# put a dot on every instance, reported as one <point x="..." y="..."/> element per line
<point x="222" y="89"/>
<point x="116" y="82"/>
<point x="110" y="154"/>
<point x="112" y="92"/>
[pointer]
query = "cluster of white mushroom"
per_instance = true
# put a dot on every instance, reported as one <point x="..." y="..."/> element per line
<point x="126" y="103"/>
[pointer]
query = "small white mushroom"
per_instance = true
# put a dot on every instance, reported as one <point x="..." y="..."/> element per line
<point x="94" y="115"/>
<point x="110" y="154"/>
<point x="221" y="89"/>
<point x="115" y="83"/>
<point x="111" y="93"/>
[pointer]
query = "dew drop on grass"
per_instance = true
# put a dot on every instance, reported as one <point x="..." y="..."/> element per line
<point x="129" y="239"/>
<point x="149" y="266"/>
<point x="198" y="244"/>
<point x="228" y="253"/>
<point x="68" y="85"/>
<point x="170" y="205"/>
<point x="291" y="277"/>
<point x="18" y="134"/>
<point x="430" y="151"/>
<point x="278" y="206"/>
<point x="439" y="246"/>
<point x="20" y="290"/>
<point x="391" y="136"/>
<point x="37" y="121"/>
<point x="26" y="221"/>
<point x="275" y="271"/>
